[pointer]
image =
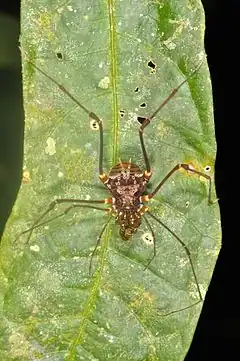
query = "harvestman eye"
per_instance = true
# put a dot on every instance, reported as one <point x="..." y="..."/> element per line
<point x="126" y="184"/>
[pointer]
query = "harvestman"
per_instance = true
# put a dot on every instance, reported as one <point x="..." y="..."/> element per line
<point x="126" y="183"/>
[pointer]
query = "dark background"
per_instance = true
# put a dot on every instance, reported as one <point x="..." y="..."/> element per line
<point x="218" y="332"/>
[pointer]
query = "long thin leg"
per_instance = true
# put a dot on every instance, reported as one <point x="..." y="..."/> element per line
<point x="148" y="171"/>
<point x="145" y="121"/>
<point x="97" y="244"/>
<point x="154" y="241"/>
<point x="188" y="255"/>
<point x="188" y="169"/>
<point x="173" y="92"/>
<point x="91" y="114"/>
<point x="58" y="216"/>
<point x="51" y="207"/>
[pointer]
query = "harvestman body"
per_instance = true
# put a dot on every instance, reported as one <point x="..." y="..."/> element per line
<point x="126" y="184"/>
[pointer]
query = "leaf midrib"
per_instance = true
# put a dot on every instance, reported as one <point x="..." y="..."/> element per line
<point x="89" y="306"/>
<point x="113" y="70"/>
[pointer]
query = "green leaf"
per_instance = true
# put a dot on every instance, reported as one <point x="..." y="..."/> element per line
<point x="103" y="52"/>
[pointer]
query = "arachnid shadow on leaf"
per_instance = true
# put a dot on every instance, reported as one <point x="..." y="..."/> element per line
<point x="117" y="272"/>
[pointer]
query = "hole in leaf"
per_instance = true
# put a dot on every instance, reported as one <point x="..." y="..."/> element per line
<point x="141" y="119"/>
<point x="94" y="124"/>
<point x="207" y="168"/>
<point x="147" y="237"/>
<point x="152" y="66"/>
<point x="136" y="89"/>
<point x="122" y="112"/>
<point x="143" y="105"/>
<point x="59" y="55"/>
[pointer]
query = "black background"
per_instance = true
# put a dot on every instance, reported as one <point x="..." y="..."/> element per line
<point x="218" y="330"/>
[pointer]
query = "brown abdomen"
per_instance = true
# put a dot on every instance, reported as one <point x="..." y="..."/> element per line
<point x="124" y="166"/>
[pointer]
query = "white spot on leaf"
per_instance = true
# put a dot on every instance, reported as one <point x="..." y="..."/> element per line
<point x="104" y="83"/>
<point x="60" y="174"/>
<point x="169" y="44"/>
<point x="50" y="148"/>
<point x="35" y="248"/>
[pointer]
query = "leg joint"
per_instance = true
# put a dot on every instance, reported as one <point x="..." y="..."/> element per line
<point x="103" y="177"/>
